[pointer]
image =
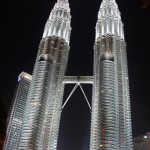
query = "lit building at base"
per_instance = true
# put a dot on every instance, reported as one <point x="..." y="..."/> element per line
<point x="142" y="142"/>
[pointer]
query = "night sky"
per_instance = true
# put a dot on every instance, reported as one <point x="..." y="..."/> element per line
<point x="22" y="25"/>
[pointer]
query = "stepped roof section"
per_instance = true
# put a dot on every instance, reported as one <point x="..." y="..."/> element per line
<point x="58" y="23"/>
<point x="109" y="20"/>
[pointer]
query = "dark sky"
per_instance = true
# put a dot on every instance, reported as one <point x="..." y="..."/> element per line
<point x="22" y="25"/>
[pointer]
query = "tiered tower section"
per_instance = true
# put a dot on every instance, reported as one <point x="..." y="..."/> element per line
<point x="16" y="112"/>
<point x="44" y="102"/>
<point x="111" y="116"/>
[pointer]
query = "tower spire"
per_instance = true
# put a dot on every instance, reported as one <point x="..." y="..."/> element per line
<point x="109" y="20"/>
<point x="58" y="23"/>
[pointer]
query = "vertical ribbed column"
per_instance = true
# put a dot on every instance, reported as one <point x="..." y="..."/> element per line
<point x="104" y="123"/>
<point x="108" y="113"/>
<point x="36" y="104"/>
<point x="94" y="137"/>
<point x="123" y="97"/>
<point x="54" y="103"/>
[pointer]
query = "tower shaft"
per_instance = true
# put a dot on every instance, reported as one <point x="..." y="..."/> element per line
<point x="44" y="101"/>
<point x="111" y="116"/>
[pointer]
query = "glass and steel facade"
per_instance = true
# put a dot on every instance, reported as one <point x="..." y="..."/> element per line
<point x="16" y="112"/>
<point x="44" y="101"/>
<point x="111" y="116"/>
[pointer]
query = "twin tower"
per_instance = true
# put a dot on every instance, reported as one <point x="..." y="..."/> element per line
<point x="111" y="116"/>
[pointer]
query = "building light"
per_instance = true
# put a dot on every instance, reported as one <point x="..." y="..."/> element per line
<point x="145" y="137"/>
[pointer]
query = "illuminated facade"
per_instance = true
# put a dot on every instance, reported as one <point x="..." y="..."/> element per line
<point x="44" y="101"/>
<point x="15" y="117"/>
<point x="111" y="117"/>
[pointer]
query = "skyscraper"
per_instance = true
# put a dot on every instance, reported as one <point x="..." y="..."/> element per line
<point x="44" y="101"/>
<point x="16" y="113"/>
<point x="111" y="116"/>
